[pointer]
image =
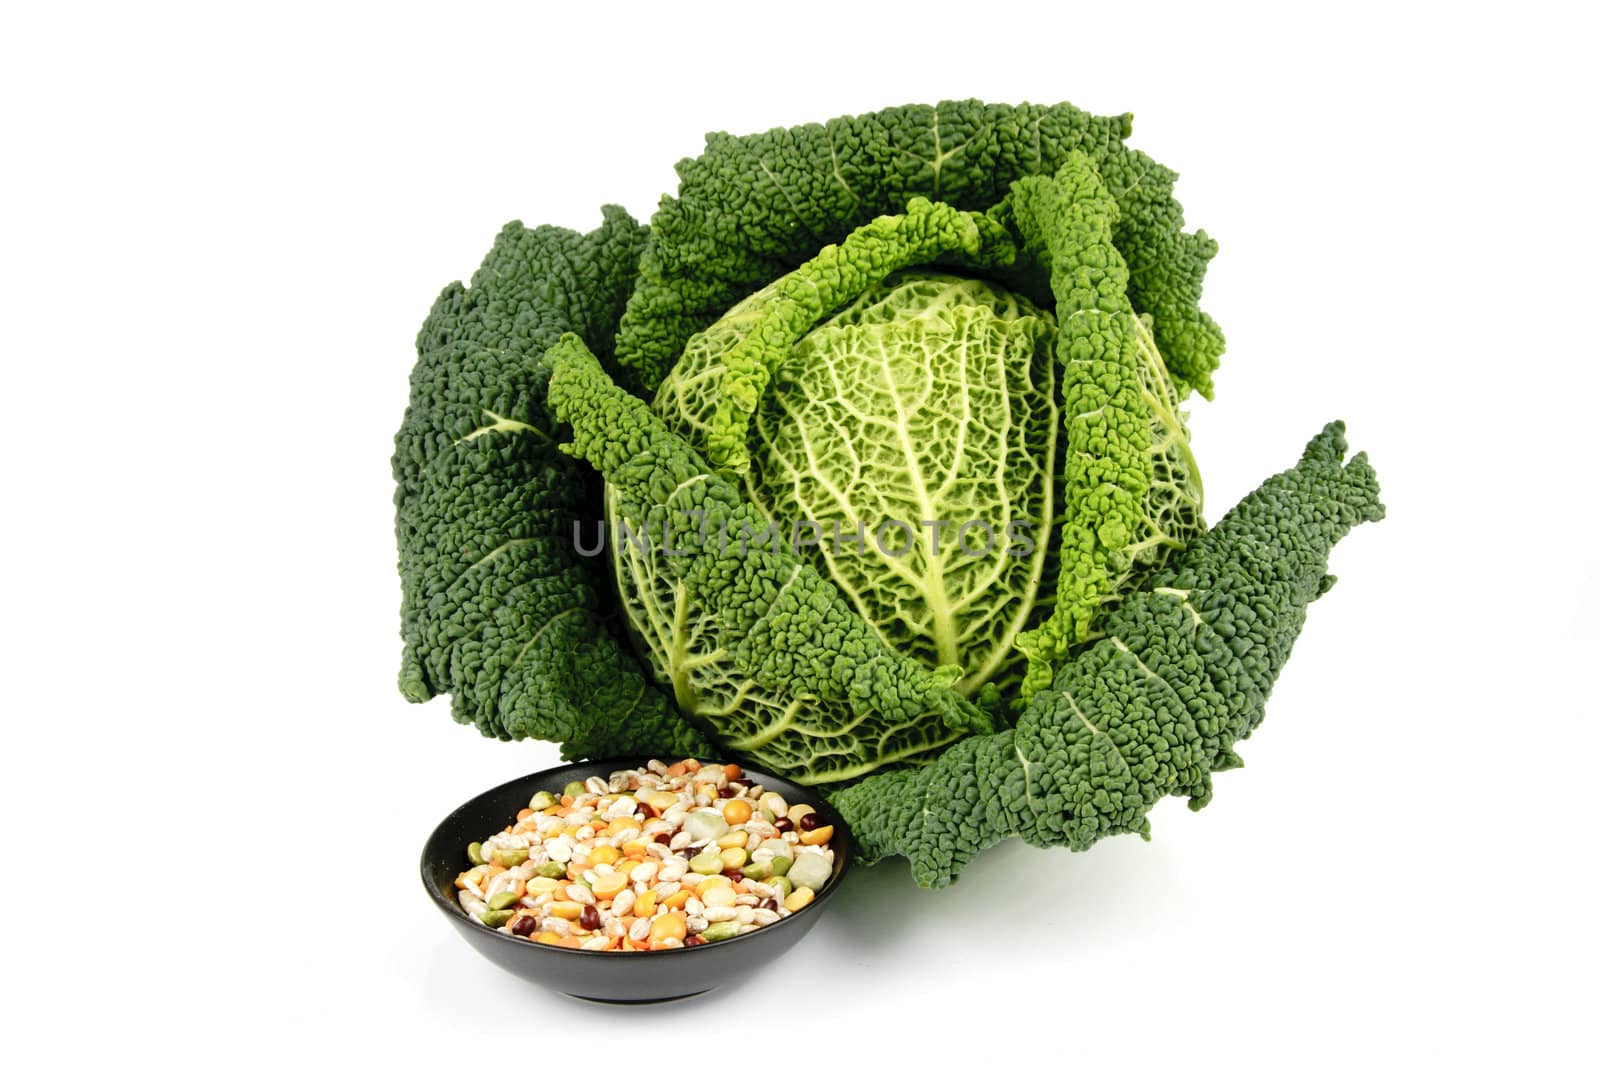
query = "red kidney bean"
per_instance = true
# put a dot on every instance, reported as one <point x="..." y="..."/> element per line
<point x="783" y="825"/>
<point x="808" y="821"/>
<point x="525" y="925"/>
<point x="590" y="919"/>
<point x="693" y="940"/>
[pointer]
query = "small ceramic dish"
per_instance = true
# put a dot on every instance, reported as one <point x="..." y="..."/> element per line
<point x="614" y="977"/>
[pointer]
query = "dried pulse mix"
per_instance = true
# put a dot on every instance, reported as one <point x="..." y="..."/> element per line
<point x="662" y="857"/>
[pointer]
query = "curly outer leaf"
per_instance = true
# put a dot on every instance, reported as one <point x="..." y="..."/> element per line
<point x="498" y="610"/>
<point x="1151" y="709"/>
<point x="1121" y="418"/>
<point x="753" y="208"/>
<point x="856" y="705"/>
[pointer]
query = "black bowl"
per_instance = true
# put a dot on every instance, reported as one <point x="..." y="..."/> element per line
<point x="614" y="977"/>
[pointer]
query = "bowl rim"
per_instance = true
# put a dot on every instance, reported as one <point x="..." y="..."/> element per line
<point x="843" y="857"/>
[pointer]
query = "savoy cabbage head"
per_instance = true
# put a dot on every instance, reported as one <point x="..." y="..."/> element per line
<point x="866" y="463"/>
<point x="908" y="444"/>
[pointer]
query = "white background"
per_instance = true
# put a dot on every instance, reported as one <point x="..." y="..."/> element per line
<point x="221" y="232"/>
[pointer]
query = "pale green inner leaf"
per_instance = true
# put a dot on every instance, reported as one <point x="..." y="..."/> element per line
<point x="917" y="431"/>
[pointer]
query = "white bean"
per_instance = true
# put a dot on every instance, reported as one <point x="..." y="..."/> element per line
<point x="621" y="808"/>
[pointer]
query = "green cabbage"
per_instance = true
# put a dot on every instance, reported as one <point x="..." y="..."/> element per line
<point x="928" y="396"/>
<point x="968" y="317"/>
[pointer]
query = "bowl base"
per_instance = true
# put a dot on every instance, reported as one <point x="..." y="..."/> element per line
<point x="648" y="1000"/>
